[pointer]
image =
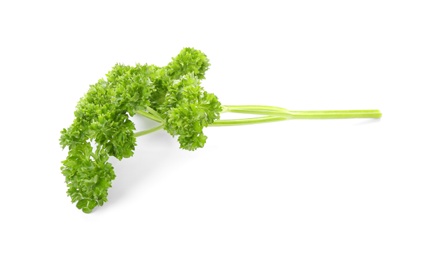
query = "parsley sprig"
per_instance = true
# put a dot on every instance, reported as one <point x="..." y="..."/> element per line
<point x="172" y="96"/>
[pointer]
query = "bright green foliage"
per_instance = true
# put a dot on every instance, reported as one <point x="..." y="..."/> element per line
<point x="171" y="95"/>
<point x="188" y="109"/>
<point x="189" y="61"/>
<point x="102" y="125"/>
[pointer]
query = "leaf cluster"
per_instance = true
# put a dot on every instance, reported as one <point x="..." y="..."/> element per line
<point x="102" y="125"/>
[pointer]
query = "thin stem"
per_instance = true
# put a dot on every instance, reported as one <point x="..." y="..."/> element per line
<point x="311" y="114"/>
<point x="270" y="114"/>
<point x="247" y="121"/>
<point x="334" y="114"/>
<point x="153" y="112"/>
<point x="148" y="131"/>
<point x="149" y="116"/>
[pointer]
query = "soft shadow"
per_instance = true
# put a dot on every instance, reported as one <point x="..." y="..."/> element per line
<point x="142" y="123"/>
<point x="143" y="168"/>
<point x="369" y="121"/>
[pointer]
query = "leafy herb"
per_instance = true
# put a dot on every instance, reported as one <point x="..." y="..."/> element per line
<point x="172" y="96"/>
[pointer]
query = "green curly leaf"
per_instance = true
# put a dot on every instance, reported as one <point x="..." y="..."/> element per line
<point x="102" y="125"/>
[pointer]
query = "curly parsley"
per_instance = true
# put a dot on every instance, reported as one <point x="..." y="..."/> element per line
<point x="171" y="95"/>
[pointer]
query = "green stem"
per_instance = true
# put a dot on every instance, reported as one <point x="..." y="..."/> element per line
<point x="311" y="114"/>
<point x="148" y="131"/>
<point x="149" y="116"/>
<point x="247" y="121"/>
<point x="154" y="113"/>
<point x="270" y="114"/>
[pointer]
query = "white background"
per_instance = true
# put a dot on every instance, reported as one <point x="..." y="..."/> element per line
<point x="342" y="189"/>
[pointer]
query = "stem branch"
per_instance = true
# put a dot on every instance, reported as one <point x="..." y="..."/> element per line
<point x="310" y="114"/>
<point x="148" y="131"/>
<point x="269" y="114"/>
